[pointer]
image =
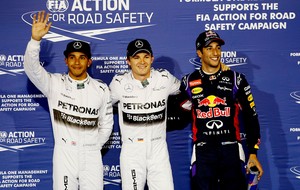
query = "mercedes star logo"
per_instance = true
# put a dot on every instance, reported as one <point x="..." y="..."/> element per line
<point x="77" y="45"/>
<point x="128" y="87"/>
<point x="139" y="44"/>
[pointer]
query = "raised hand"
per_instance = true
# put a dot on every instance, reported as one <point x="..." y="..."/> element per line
<point x="40" y="25"/>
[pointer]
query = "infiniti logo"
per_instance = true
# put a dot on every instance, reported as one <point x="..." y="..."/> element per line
<point x="214" y="124"/>
<point x="225" y="79"/>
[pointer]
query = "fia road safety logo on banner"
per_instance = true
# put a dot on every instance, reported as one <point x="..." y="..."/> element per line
<point x="90" y="19"/>
<point x="14" y="141"/>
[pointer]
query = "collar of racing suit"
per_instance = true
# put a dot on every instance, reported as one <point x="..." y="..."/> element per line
<point x="210" y="76"/>
<point x="79" y="84"/>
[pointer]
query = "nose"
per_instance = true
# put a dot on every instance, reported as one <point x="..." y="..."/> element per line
<point x="77" y="60"/>
<point x="215" y="51"/>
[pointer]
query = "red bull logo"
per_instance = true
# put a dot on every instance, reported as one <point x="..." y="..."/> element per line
<point x="213" y="113"/>
<point x="212" y="101"/>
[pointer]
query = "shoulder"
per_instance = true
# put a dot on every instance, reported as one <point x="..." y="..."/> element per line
<point x="233" y="73"/>
<point x="163" y="74"/>
<point x="99" y="84"/>
<point x="62" y="77"/>
<point x="192" y="75"/>
<point x="121" y="77"/>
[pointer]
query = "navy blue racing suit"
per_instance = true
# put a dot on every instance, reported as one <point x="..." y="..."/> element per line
<point x="216" y="101"/>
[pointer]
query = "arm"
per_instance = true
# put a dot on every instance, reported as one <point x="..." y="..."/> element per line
<point x="252" y="127"/>
<point x="113" y="86"/>
<point x="106" y="117"/>
<point x="179" y="109"/>
<point x="174" y="83"/>
<point x="35" y="72"/>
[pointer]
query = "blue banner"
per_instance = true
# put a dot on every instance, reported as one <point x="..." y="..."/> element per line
<point x="261" y="40"/>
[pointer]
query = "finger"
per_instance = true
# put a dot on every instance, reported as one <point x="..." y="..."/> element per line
<point x="42" y="16"/>
<point x="39" y="17"/>
<point x="47" y="18"/>
<point x="48" y="26"/>
<point x="260" y="171"/>
<point x="247" y="170"/>
<point x="34" y="19"/>
<point x="260" y="175"/>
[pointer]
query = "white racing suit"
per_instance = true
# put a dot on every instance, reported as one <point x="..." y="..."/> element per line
<point x="82" y="121"/>
<point x="142" y="119"/>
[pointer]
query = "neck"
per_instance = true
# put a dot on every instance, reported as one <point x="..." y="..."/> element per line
<point x="141" y="77"/>
<point x="210" y="70"/>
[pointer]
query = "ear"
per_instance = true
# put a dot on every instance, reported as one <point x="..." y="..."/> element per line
<point x="199" y="53"/>
<point x="128" y="62"/>
<point x="152" y="59"/>
<point x="90" y="62"/>
<point x="66" y="61"/>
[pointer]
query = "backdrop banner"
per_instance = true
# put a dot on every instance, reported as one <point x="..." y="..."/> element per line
<point x="261" y="40"/>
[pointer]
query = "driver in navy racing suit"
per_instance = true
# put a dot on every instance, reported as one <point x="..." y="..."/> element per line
<point x="216" y="98"/>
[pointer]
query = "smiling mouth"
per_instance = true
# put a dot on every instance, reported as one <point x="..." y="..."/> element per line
<point x="215" y="58"/>
<point x="77" y="68"/>
<point x="142" y="67"/>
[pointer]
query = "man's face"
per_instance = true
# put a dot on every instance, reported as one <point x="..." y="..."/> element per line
<point x="140" y="65"/>
<point x="78" y="63"/>
<point x="211" y="56"/>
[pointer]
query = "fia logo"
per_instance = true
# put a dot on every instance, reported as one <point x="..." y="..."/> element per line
<point x="57" y="5"/>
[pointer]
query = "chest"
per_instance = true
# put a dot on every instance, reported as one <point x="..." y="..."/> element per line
<point x="138" y="94"/>
<point x="76" y="101"/>
<point x="213" y="92"/>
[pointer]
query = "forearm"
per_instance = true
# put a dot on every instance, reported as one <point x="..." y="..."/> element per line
<point x="33" y="69"/>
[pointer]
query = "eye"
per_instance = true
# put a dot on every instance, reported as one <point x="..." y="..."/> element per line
<point x="83" y="57"/>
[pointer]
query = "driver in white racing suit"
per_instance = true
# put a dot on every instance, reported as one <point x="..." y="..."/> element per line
<point x="80" y="110"/>
<point x="142" y="94"/>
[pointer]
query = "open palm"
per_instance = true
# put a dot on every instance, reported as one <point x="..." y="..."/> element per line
<point x="40" y="25"/>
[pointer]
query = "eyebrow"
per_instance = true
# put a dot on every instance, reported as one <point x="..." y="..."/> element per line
<point x="82" y="55"/>
<point x="212" y="46"/>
